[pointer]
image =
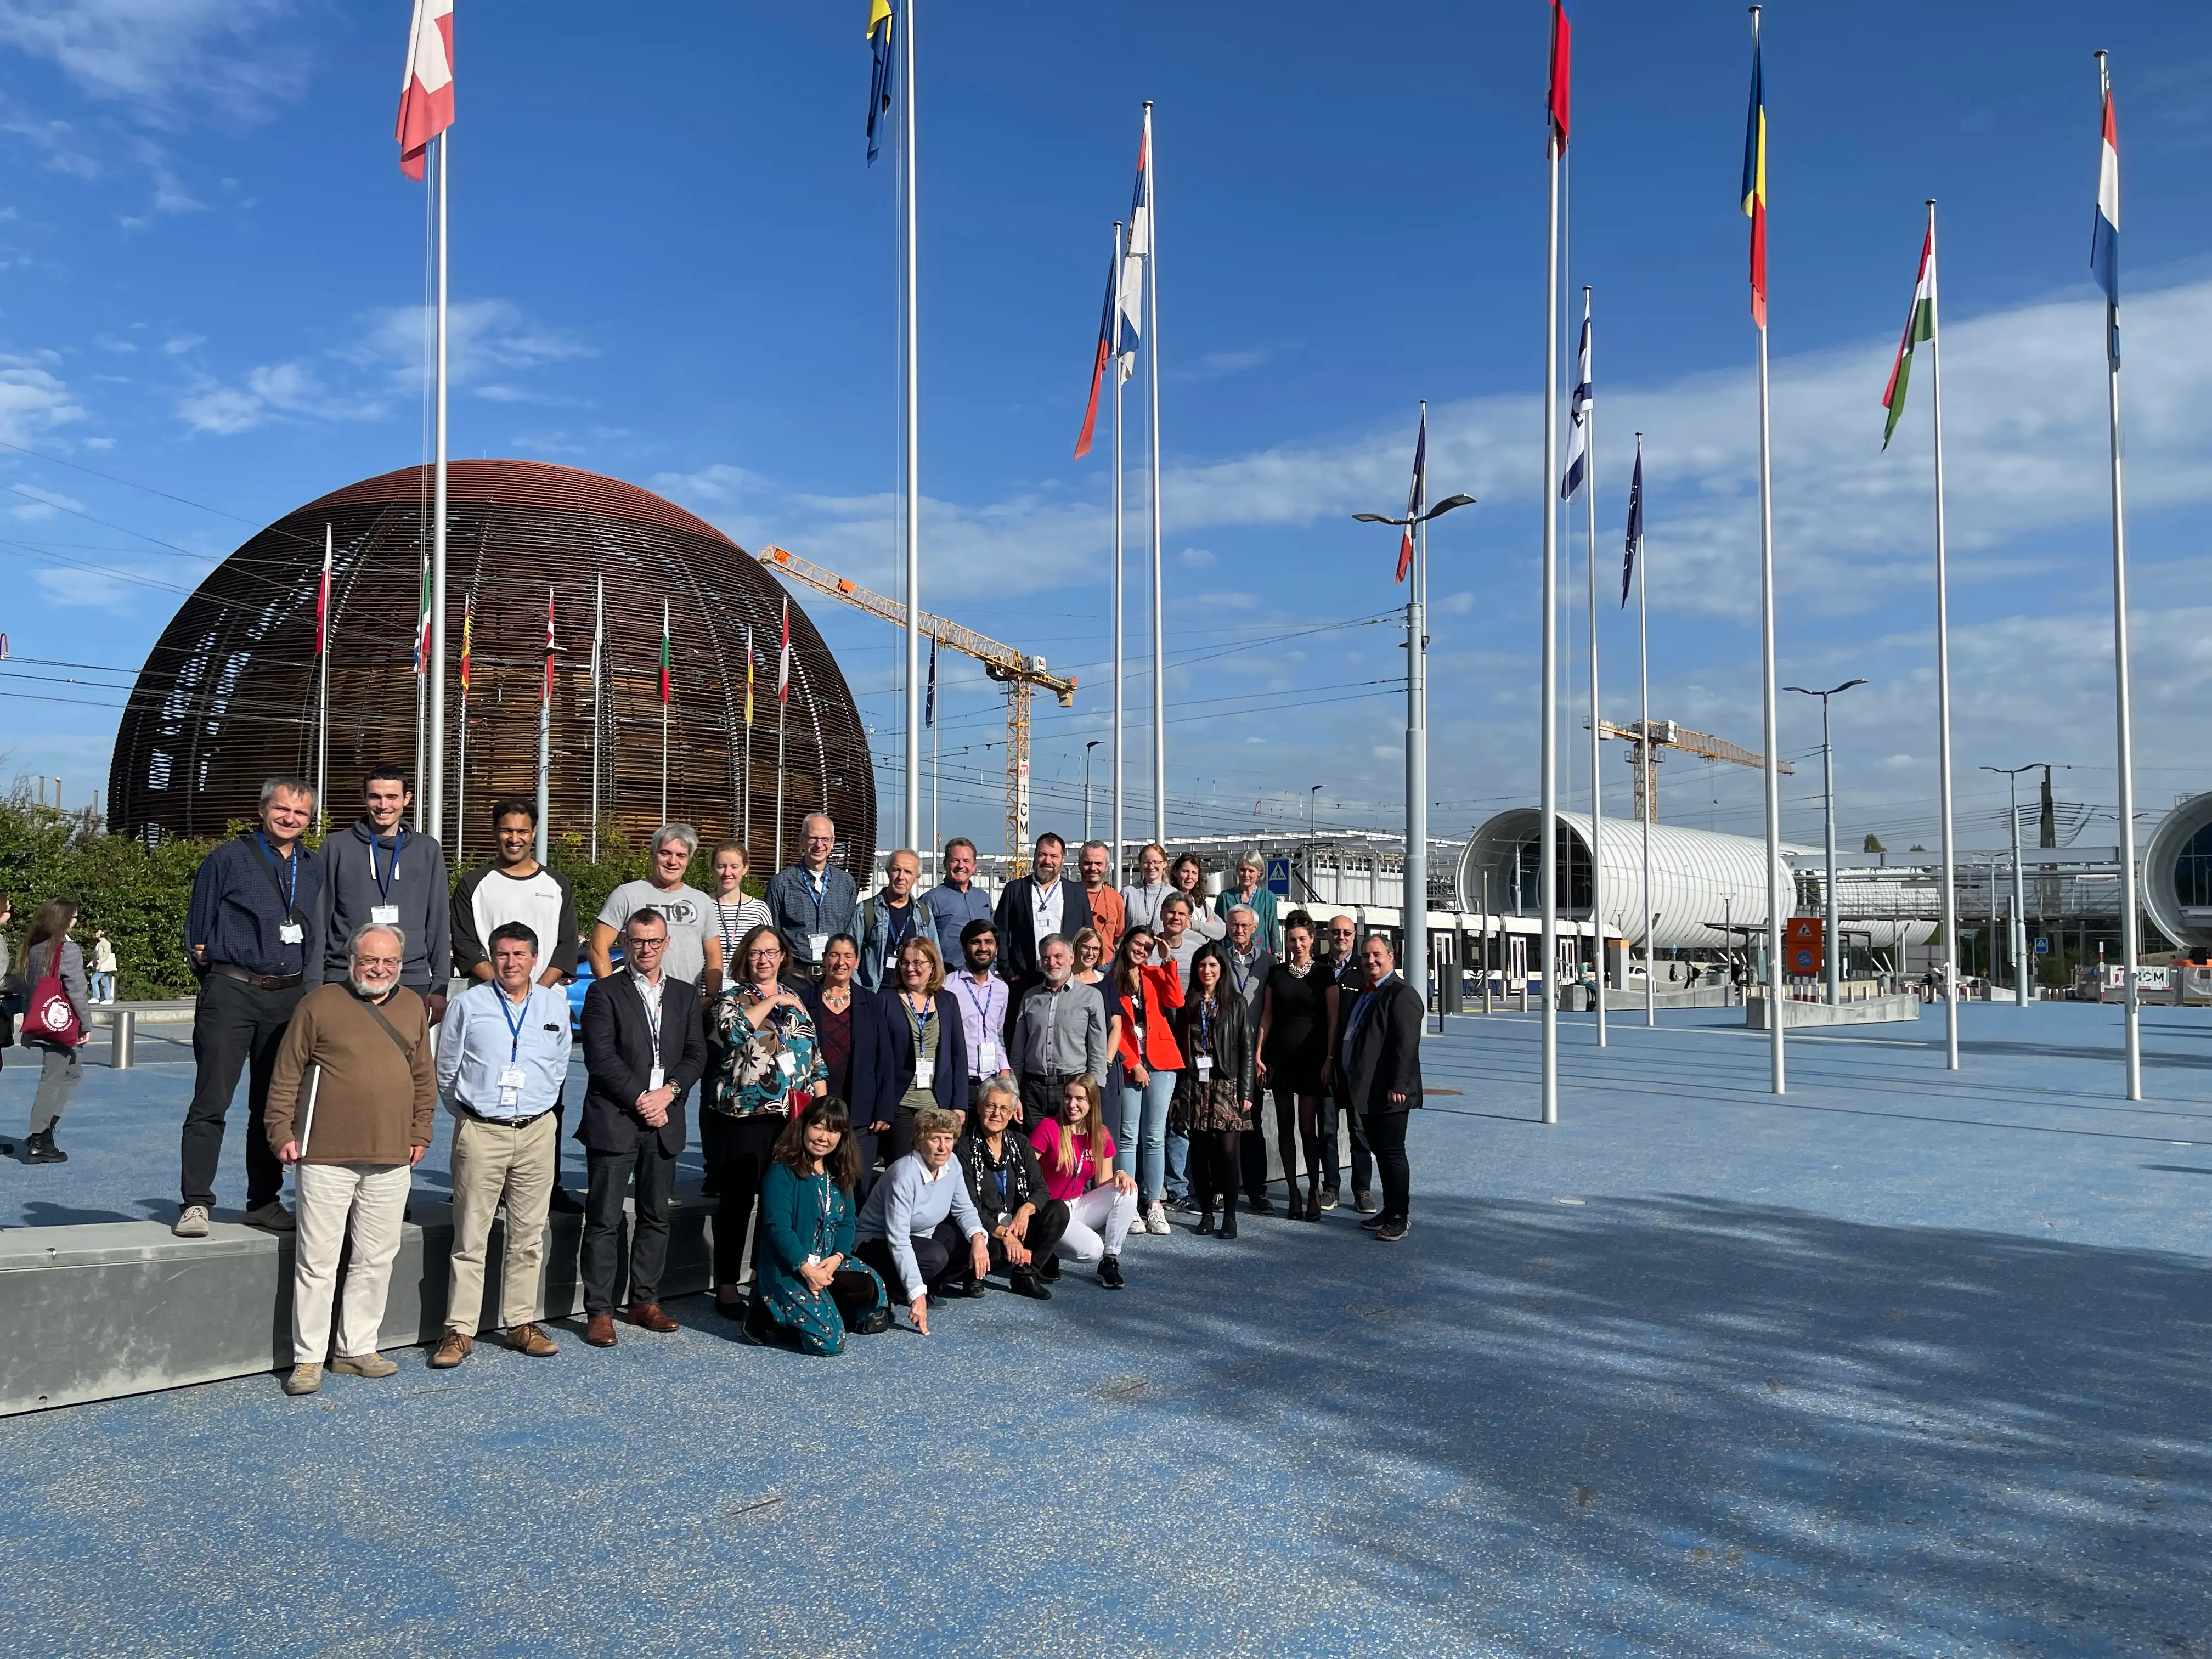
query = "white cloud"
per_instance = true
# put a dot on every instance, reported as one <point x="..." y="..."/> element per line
<point x="99" y="443"/>
<point x="1197" y="558"/>
<point x="481" y="335"/>
<point x="181" y="343"/>
<point x="1457" y="605"/>
<point x="32" y="401"/>
<point x="99" y="590"/>
<point x="169" y="61"/>
<point x="41" y="503"/>
<point x="271" y="391"/>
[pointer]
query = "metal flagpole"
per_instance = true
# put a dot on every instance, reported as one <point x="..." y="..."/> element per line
<point x="599" y="660"/>
<point x="461" y="760"/>
<point x="1119" y="255"/>
<point x="1547" y="733"/>
<point x="323" y="697"/>
<point x="746" y="804"/>
<point x="421" y="680"/>
<point x="936" y="779"/>
<point x="1415" y="966"/>
<point x="2128" y="942"/>
<point x="666" y="686"/>
<point x="1773" y="759"/>
<point x="1942" y="658"/>
<point x="782" y="719"/>
<point x="1597" y="814"/>
<point x="545" y="739"/>
<point x="1152" y="389"/>
<point x="437" y="734"/>
<point x="1643" y="750"/>
<point x="911" y="832"/>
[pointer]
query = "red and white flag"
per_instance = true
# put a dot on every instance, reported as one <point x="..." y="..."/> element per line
<point x="783" y="661"/>
<point x="323" y="599"/>
<point x="426" y="89"/>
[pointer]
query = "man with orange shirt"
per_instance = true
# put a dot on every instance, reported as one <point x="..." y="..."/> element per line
<point x="1107" y="913"/>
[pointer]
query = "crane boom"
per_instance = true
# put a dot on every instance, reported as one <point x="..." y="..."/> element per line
<point x="1021" y="673"/>
<point x="1667" y="734"/>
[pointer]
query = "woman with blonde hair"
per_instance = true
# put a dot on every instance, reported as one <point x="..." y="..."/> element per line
<point x="1076" y="1152"/>
<point x="1140" y="900"/>
<point x="921" y="1052"/>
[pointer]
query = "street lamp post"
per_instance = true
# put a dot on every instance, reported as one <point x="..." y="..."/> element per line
<point x="1835" y="951"/>
<point x="1087" y="748"/>
<point x="1313" y="801"/>
<point x="2017" y="933"/>
<point x="1416" y="957"/>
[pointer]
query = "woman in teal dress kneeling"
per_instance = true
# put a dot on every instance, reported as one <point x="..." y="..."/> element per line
<point x="811" y="1287"/>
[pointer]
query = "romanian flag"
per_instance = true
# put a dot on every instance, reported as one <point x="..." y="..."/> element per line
<point x="879" y="75"/>
<point x="1919" y="325"/>
<point x="665" y="686"/>
<point x="468" y="639"/>
<point x="1562" y="55"/>
<point x="426" y="89"/>
<point x="1754" y="187"/>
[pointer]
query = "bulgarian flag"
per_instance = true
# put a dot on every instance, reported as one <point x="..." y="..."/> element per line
<point x="666" y="689"/>
<point x="1919" y="325"/>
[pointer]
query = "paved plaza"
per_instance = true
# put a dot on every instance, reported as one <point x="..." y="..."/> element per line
<point x="1909" y="1363"/>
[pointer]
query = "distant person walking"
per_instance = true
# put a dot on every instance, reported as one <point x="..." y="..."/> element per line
<point x="60" y="1025"/>
<point x="693" y="947"/>
<point x="246" y="936"/>
<point x="352" y="1101"/>
<point x="813" y="900"/>
<point x="103" y="966"/>
<point x="375" y="871"/>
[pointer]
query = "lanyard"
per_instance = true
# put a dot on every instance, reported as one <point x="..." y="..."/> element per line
<point x="982" y="1009"/>
<point x="653" y="1017"/>
<point x="820" y="892"/>
<point x="289" y="893"/>
<point x="383" y="881"/>
<point x="897" y="928"/>
<point x="729" y="935"/>
<point x="921" y="1016"/>
<point x="515" y="1023"/>
<point x="1205" y="1026"/>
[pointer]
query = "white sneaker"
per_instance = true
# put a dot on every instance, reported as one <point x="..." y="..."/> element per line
<point x="192" y="1223"/>
<point x="1156" y="1220"/>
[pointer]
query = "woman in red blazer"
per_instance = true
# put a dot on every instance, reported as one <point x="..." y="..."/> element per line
<point x="1148" y="995"/>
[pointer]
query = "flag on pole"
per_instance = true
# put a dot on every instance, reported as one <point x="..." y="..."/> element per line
<point x="1416" y="497"/>
<point x="1098" y="362"/>
<point x="1578" y="409"/>
<point x="929" y="705"/>
<point x="422" y="627"/>
<point x="1919" y="325"/>
<point x="665" y="686"/>
<point x="1137" y="253"/>
<point x="2105" y="235"/>
<point x="1140" y="204"/>
<point x="1562" y="36"/>
<point x="322" y="604"/>
<point x="1635" y="525"/>
<point x="468" y="638"/>
<point x="879" y="73"/>
<point x="548" y="646"/>
<point x="426" y="88"/>
<point x="749" y="674"/>
<point x="783" y="658"/>
<point x="1754" y="188"/>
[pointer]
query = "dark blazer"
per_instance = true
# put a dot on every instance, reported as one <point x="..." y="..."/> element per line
<point x="1016" y="922"/>
<point x="1386" y="1052"/>
<point x="895" y="1056"/>
<point x="619" y="1057"/>
<point x="862" y="1086"/>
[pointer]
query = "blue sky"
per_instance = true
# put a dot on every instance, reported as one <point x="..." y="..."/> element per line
<point x="671" y="264"/>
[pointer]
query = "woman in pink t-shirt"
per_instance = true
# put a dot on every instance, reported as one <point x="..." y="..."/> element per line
<point x="1077" y="1153"/>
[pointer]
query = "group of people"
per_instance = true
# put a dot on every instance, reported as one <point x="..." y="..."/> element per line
<point x="878" y="1127"/>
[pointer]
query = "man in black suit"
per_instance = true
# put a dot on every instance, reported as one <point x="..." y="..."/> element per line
<point x="1382" y="1062"/>
<point x="1035" y="906"/>
<point x="644" y="1047"/>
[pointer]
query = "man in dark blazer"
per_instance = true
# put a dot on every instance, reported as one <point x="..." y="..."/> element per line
<point x="1381" y="1061"/>
<point x="1037" y="906"/>
<point x="644" y="1049"/>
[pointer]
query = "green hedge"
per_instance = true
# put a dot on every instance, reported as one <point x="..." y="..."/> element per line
<point x="140" y="894"/>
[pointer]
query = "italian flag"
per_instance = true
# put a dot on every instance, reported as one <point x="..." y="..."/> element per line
<point x="665" y="696"/>
<point x="1920" y="326"/>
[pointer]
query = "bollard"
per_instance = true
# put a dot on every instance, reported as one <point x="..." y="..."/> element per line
<point x="123" y="1031"/>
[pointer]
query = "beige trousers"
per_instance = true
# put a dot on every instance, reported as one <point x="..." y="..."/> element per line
<point x="370" y="1201"/>
<point x="492" y="1162"/>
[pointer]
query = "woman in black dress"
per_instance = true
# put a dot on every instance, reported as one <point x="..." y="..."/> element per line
<point x="1297" y="1012"/>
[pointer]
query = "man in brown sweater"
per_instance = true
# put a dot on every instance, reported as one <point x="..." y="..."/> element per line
<point x="350" y="1108"/>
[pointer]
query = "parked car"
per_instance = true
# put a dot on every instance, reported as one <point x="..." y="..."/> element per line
<point x="582" y="983"/>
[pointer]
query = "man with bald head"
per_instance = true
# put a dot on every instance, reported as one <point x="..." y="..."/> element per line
<point x="813" y="900"/>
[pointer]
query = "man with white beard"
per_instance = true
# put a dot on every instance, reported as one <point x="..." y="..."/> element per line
<point x="350" y="1107"/>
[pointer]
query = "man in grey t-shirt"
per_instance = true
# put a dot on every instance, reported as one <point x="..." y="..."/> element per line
<point x="694" y="945"/>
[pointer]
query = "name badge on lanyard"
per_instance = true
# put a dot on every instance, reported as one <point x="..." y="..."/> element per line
<point x="925" y="1068"/>
<point x="386" y="915"/>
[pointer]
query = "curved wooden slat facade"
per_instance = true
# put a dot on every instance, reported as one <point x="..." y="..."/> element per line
<point x="227" y="695"/>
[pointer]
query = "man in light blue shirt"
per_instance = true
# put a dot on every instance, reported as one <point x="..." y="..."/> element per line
<point x="910" y="1230"/>
<point x="502" y="1059"/>
<point x="957" y="901"/>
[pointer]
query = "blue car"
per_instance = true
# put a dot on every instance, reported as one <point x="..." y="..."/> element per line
<point x="582" y="983"/>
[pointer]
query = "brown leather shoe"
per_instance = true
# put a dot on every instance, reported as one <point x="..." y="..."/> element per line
<point x="646" y="1316"/>
<point x="451" y="1350"/>
<point x="528" y="1338"/>
<point x="599" y="1332"/>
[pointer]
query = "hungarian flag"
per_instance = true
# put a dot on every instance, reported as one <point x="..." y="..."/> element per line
<point x="1416" y="497"/>
<point x="468" y="639"/>
<point x="323" y="599"/>
<point x="1562" y="40"/>
<point x="783" y="658"/>
<point x="1578" y="414"/>
<point x="664" y="687"/>
<point x="1919" y="325"/>
<point x="1635" y="544"/>
<point x="548" y="646"/>
<point x="1754" y="188"/>
<point x="422" y="628"/>
<point x="2105" y="235"/>
<point x="426" y="87"/>
<point x="749" y="674"/>
<point x="1105" y="350"/>
<point x="879" y="74"/>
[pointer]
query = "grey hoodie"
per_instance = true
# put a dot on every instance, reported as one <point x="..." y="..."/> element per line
<point x="418" y="888"/>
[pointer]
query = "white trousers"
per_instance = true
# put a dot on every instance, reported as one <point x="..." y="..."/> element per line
<point x="369" y="1201"/>
<point x="1097" y="1223"/>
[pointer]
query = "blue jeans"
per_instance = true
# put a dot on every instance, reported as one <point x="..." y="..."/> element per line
<point x="103" y="987"/>
<point x="1144" y="1123"/>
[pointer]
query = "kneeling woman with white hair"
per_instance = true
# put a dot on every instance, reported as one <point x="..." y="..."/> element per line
<point x="1077" y="1151"/>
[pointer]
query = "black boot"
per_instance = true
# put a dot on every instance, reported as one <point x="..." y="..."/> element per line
<point x="1229" y="1213"/>
<point x="1206" y="1218"/>
<point x="40" y="1149"/>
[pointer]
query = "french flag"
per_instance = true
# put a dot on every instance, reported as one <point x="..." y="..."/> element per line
<point x="2105" y="236"/>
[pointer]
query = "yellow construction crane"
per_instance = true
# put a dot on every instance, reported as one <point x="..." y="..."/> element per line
<point x="1018" y="672"/>
<point x="1665" y="735"/>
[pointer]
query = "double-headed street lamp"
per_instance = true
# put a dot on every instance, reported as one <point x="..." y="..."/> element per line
<point x="1828" y="768"/>
<point x="2017" y="933"/>
<point x="1415" y="961"/>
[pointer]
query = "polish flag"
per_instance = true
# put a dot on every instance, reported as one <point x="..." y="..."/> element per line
<point x="426" y="90"/>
